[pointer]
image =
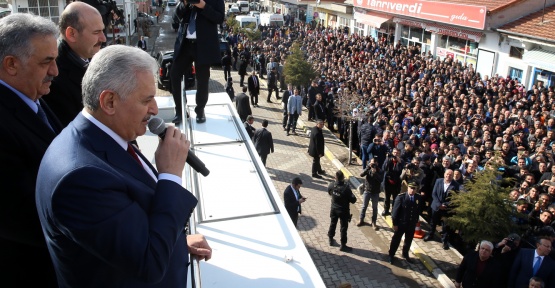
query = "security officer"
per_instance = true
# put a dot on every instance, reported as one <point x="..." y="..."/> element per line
<point x="341" y="196"/>
<point x="406" y="209"/>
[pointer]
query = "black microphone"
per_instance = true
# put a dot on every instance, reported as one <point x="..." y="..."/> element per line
<point x="157" y="126"/>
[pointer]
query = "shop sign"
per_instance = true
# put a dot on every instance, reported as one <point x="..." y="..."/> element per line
<point x="454" y="32"/>
<point x="409" y="23"/>
<point x="471" y="16"/>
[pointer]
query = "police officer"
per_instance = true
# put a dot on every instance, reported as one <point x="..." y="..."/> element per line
<point x="406" y="209"/>
<point x="341" y="196"/>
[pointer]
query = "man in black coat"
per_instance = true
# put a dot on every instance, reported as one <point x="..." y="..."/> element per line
<point x="253" y="84"/>
<point x="293" y="199"/>
<point x="479" y="269"/>
<point x="81" y="36"/>
<point x="285" y="101"/>
<point x="248" y="126"/>
<point x="226" y="64"/>
<point x="272" y="85"/>
<point x="405" y="213"/>
<point x="28" y="127"/>
<point x="320" y="108"/>
<point x="243" y="63"/>
<point x="341" y="196"/>
<point x="392" y="169"/>
<point x="312" y="91"/>
<point x="316" y="148"/>
<point x="263" y="142"/>
<point x="242" y="105"/>
<point x="198" y="42"/>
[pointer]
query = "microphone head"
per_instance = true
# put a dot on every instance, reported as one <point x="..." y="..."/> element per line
<point x="156" y="125"/>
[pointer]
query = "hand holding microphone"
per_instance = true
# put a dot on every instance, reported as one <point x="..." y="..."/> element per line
<point x="172" y="159"/>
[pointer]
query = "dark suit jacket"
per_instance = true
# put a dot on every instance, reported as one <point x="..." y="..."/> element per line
<point x="439" y="196"/>
<point x="316" y="145"/>
<point x="141" y="43"/>
<point x="65" y="97"/>
<point x="242" y="103"/>
<point x="250" y="129"/>
<point x="406" y="212"/>
<point x="285" y="98"/>
<point x="291" y="203"/>
<point x="107" y="222"/>
<point x="25" y="137"/>
<point x="466" y="273"/>
<point x="208" y="19"/>
<point x="253" y="90"/>
<point x="263" y="141"/>
<point x="522" y="270"/>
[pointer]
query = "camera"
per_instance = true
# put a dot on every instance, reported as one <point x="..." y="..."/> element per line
<point x="373" y="166"/>
<point x="511" y="243"/>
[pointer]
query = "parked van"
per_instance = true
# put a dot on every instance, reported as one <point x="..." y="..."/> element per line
<point x="246" y="21"/>
<point x="243" y="6"/>
<point x="270" y="19"/>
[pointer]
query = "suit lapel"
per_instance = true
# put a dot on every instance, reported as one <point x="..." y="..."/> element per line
<point x="104" y="145"/>
<point x="23" y="113"/>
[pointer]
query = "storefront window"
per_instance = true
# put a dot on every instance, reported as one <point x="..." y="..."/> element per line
<point x="460" y="49"/>
<point x="416" y="36"/>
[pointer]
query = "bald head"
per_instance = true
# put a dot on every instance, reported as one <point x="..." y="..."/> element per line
<point x="81" y="27"/>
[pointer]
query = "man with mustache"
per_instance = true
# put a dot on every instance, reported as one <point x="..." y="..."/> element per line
<point x="81" y="35"/>
<point x="110" y="218"/>
<point x="27" y="53"/>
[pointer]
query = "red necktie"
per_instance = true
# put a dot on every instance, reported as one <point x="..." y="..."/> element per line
<point x="133" y="154"/>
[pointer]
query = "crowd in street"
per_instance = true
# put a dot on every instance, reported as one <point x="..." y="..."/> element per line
<point x="416" y="118"/>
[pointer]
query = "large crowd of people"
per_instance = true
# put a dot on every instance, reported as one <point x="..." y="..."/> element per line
<point x="431" y="114"/>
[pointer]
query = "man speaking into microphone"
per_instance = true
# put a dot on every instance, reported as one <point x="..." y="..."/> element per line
<point x="110" y="219"/>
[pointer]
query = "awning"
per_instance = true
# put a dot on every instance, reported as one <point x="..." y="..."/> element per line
<point x="372" y="19"/>
<point x="540" y="58"/>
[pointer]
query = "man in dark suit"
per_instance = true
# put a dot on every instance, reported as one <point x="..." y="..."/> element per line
<point x="316" y="148"/>
<point x="27" y="128"/>
<point x="81" y="36"/>
<point x="242" y="105"/>
<point x="248" y="126"/>
<point x="293" y="199"/>
<point x="440" y="205"/>
<point x="526" y="265"/>
<point x="142" y="43"/>
<point x="272" y="85"/>
<point x="263" y="142"/>
<point x="479" y="268"/>
<point x="285" y="101"/>
<point x="198" y="42"/>
<point x="406" y="210"/>
<point x="92" y="219"/>
<point x="254" y="88"/>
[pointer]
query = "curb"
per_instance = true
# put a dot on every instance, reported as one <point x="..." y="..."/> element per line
<point x="426" y="260"/>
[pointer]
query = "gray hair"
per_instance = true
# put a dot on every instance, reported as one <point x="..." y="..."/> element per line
<point x="114" y="68"/>
<point x="486" y="243"/>
<point x="17" y="30"/>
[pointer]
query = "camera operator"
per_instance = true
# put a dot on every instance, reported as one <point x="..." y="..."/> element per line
<point x="505" y="252"/>
<point x="392" y="168"/>
<point x="372" y="183"/>
<point x="197" y="41"/>
<point x="341" y="196"/>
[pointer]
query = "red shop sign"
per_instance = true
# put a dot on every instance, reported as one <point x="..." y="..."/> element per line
<point x="470" y="16"/>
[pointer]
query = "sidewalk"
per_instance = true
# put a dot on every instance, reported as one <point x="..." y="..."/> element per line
<point x="370" y="247"/>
